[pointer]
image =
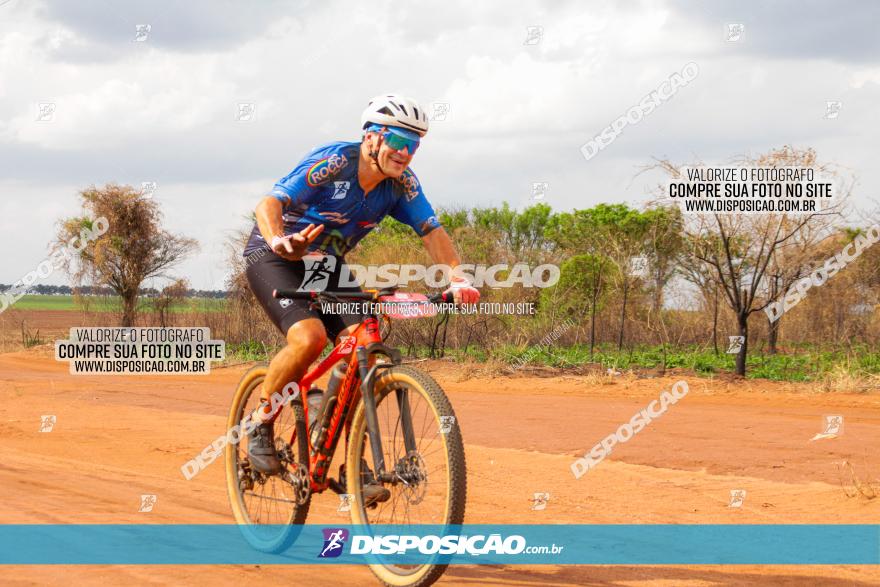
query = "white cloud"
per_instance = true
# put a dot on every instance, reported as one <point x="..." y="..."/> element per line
<point x="163" y="110"/>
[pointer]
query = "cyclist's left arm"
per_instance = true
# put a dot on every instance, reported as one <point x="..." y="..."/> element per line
<point x="414" y="209"/>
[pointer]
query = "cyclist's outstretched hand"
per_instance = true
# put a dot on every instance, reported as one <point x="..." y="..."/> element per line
<point x="463" y="291"/>
<point x="293" y="247"/>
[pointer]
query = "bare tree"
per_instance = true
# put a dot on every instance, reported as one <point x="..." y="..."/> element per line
<point x="789" y="264"/>
<point x="693" y="271"/>
<point x="134" y="248"/>
<point x="737" y="250"/>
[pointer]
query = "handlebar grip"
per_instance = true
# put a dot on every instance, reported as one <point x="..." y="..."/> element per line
<point x="292" y="294"/>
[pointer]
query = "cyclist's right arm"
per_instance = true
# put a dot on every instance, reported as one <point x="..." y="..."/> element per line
<point x="270" y="220"/>
<point x="297" y="191"/>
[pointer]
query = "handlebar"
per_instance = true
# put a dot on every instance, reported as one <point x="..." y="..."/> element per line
<point x="293" y="294"/>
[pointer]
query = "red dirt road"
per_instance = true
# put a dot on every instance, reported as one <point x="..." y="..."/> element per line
<point x="118" y="437"/>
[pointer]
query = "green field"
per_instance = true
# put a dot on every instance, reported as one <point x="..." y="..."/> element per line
<point x="799" y="363"/>
<point x="112" y="304"/>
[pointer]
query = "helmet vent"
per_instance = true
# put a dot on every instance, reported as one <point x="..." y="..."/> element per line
<point x="394" y="110"/>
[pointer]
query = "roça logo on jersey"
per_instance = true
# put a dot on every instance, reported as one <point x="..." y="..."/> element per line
<point x="325" y="169"/>
<point x="410" y="184"/>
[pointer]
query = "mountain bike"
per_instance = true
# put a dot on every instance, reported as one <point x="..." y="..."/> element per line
<point x="395" y="414"/>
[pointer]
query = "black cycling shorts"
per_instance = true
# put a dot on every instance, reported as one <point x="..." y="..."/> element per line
<point x="266" y="271"/>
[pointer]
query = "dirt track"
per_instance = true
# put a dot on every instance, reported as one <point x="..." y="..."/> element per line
<point x="119" y="437"/>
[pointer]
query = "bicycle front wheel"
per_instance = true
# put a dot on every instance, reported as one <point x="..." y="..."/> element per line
<point x="430" y="479"/>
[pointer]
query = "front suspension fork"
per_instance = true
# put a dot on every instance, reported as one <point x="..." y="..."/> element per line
<point x="368" y="377"/>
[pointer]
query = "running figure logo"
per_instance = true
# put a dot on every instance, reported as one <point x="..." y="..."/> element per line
<point x="832" y="109"/>
<point x="334" y="540"/>
<point x="735" y="31"/>
<point x="737" y="497"/>
<point x="318" y="271"/>
<point x="533" y="35"/>
<point x="147" y="503"/>
<point x="142" y="32"/>
<point x="638" y="267"/>
<point x="539" y="502"/>
<point x="47" y="423"/>
<point x="539" y="189"/>
<point x="440" y="111"/>
<point x="833" y="424"/>
<point x="340" y="189"/>
<point x="345" y="500"/>
<point x="736" y="344"/>
<point x="446" y="424"/>
<point x="832" y="427"/>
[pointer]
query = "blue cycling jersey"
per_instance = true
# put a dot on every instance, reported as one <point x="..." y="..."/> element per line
<point x="324" y="189"/>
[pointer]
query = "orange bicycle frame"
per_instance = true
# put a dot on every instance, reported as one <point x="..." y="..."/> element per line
<point x="366" y="334"/>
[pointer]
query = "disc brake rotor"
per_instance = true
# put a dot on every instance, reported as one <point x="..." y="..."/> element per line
<point x="412" y="472"/>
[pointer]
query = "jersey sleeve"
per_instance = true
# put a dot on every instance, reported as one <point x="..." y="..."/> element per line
<point x="412" y="206"/>
<point x="301" y="186"/>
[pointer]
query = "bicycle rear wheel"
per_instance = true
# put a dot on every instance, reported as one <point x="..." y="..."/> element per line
<point x="268" y="509"/>
<point x="432" y="487"/>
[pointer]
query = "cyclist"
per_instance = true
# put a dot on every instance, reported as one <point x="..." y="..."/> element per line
<point x="332" y="199"/>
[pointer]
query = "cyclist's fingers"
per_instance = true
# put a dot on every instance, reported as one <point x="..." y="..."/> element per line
<point x="300" y="238"/>
<point x="312" y="234"/>
<point x="287" y="246"/>
<point x="305" y="232"/>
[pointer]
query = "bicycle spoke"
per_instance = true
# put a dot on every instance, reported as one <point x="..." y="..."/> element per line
<point x="268" y="498"/>
<point x="272" y="501"/>
<point x="424" y="500"/>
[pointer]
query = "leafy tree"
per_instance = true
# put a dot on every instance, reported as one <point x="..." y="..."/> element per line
<point x="134" y="248"/>
<point x="738" y="251"/>
<point x="170" y="295"/>
<point x="664" y="241"/>
<point x="582" y="288"/>
<point x="521" y="234"/>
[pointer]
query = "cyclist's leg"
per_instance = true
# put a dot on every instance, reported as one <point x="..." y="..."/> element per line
<point x="302" y="327"/>
<point x="306" y="339"/>
<point x="340" y="325"/>
<point x="305" y="336"/>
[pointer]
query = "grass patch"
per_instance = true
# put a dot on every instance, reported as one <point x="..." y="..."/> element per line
<point x="799" y="364"/>
<point x="249" y="351"/>
<point x="114" y="304"/>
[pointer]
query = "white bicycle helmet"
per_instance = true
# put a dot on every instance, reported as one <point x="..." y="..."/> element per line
<point x="394" y="110"/>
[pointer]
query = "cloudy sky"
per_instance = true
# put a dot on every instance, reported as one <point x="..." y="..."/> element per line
<point x="162" y="107"/>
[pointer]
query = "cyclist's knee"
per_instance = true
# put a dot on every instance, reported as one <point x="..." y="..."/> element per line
<point x="307" y="336"/>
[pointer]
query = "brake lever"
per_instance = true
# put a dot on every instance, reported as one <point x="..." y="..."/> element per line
<point x="442" y="298"/>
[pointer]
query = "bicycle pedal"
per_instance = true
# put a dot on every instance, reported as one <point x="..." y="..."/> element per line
<point x="335" y="486"/>
<point x="374" y="495"/>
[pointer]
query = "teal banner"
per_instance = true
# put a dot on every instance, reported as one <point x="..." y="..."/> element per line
<point x="659" y="544"/>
